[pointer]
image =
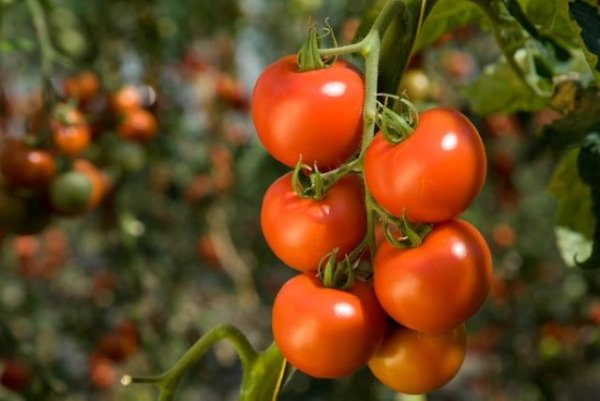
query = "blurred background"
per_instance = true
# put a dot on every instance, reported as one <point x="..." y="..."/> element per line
<point x="175" y="247"/>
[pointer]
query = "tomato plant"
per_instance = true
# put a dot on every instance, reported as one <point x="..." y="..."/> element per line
<point x="301" y="232"/>
<point x="326" y="332"/>
<point x="292" y="112"/>
<point x="138" y="125"/>
<point x="415" y="363"/>
<point x="433" y="175"/>
<point x="439" y="284"/>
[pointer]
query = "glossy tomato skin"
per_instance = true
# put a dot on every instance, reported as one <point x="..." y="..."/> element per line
<point x="410" y="362"/>
<point x="301" y="232"/>
<point x="72" y="140"/>
<point x="325" y="332"/>
<point x="433" y="175"/>
<point x="26" y="167"/>
<point x="438" y="285"/>
<point x="138" y="125"/>
<point x="316" y="114"/>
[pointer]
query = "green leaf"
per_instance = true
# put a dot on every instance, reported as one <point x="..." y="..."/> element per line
<point x="572" y="245"/>
<point x="583" y="116"/>
<point x="574" y="197"/>
<point x="499" y="89"/>
<point x="588" y="18"/>
<point x="16" y="45"/>
<point x="553" y="20"/>
<point x="446" y="16"/>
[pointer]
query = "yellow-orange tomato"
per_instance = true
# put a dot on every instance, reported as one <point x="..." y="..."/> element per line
<point x="126" y="99"/>
<point x="416" y="363"/>
<point x="138" y="125"/>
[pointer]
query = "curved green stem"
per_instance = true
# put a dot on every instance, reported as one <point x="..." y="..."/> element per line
<point x="168" y="381"/>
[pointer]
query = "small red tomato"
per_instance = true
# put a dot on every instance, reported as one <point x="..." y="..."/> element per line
<point x="72" y="140"/>
<point x="410" y="362"/>
<point x="326" y="332"/>
<point x="126" y="99"/>
<point x="315" y="114"/>
<point x="138" y="125"/>
<point x="26" y="167"/>
<point x="439" y="284"/>
<point x="433" y="175"/>
<point x="100" y="181"/>
<point x="15" y="374"/>
<point x="301" y="232"/>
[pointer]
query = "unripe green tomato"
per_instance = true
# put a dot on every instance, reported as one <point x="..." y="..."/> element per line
<point x="12" y="211"/>
<point x="129" y="157"/>
<point x="70" y="193"/>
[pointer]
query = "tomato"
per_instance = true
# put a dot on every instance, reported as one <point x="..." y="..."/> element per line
<point x="301" y="232"/>
<point x="26" y="167"/>
<point x="103" y="372"/>
<point x="439" y="284"/>
<point x="70" y="193"/>
<point x="434" y="174"/>
<point x="418" y="86"/>
<point x="99" y="180"/>
<point x="15" y="374"/>
<point x="83" y="87"/>
<point x="315" y="114"/>
<point x="72" y="140"/>
<point x="126" y="99"/>
<point x="138" y="125"/>
<point x="410" y="362"/>
<point x="326" y="332"/>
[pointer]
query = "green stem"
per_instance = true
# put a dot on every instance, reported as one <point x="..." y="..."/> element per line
<point x="168" y="381"/>
<point x="43" y="36"/>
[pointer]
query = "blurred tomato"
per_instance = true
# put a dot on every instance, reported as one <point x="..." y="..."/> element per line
<point x="26" y="167"/>
<point x="138" y="125"/>
<point x="15" y="374"/>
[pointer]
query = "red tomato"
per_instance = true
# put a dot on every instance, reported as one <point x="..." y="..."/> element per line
<point x="126" y="99"/>
<point x="316" y="114"/>
<point x="434" y="175"/>
<point x="15" y="374"/>
<point x="83" y="87"/>
<point x="138" y="125"/>
<point x="303" y="231"/>
<point x="326" y="332"/>
<point x="415" y="363"/>
<point x="26" y="167"/>
<point x="72" y="140"/>
<point x="439" y="284"/>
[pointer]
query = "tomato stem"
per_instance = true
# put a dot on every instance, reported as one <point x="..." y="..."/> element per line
<point x="168" y="381"/>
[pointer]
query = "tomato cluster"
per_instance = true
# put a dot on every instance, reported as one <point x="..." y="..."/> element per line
<point x="405" y="318"/>
<point x="47" y="172"/>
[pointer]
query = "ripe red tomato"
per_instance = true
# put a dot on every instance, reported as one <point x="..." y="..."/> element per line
<point x="138" y="125"/>
<point x="316" y="114"/>
<point x="416" y="363"/>
<point x="72" y="140"/>
<point x="26" y="167"/>
<point x="326" y="332"/>
<point x="15" y="374"/>
<point x="434" y="174"/>
<point x="438" y="285"/>
<point x="301" y="232"/>
<point x="83" y="87"/>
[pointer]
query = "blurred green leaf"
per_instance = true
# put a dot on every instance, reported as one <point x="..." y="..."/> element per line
<point x="574" y="197"/>
<point x="16" y="45"/>
<point x="446" y="16"/>
<point x="499" y="89"/>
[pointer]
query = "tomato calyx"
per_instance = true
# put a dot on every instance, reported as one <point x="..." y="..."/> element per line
<point x="400" y="232"/>
<point x="309" y="57"/>
<point x="334" y="274"/>
<point x="396" y="126"/>
<point x="310" y="183"/>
